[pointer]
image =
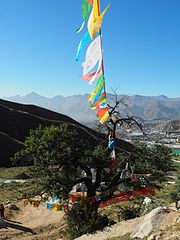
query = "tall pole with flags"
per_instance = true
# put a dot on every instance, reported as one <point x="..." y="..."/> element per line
<point x="93" y="66"/>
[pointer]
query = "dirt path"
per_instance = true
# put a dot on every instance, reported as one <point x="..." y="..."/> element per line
<point x="30" y="223"/>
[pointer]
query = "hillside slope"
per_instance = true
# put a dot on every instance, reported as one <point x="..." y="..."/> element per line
<point x="170" y="126"/>
<point x="16" y="121"/>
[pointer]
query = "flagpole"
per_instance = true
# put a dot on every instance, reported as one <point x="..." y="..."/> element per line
<point x="100" y="32"/>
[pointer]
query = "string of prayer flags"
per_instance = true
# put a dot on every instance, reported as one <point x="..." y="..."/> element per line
<point x="93" y="67"/>
<point x="125" y="196"/>
<point x="85" y="10"/>
<point x="95" y="19"/>
<point x="116" y="198"/>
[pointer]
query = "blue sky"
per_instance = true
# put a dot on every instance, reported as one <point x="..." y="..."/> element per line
<point x="141" y="47"/>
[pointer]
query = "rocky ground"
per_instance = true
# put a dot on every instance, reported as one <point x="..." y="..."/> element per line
<point x="162" y="223"/>
<point x="31" y="223"/>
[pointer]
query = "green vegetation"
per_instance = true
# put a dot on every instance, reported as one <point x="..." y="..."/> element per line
<point x="13" y="172"/>
<point x="175" y="195"/>
<point x="155" y="159"/>
<point x="81" y="220"/>
<point x="15" y="191"/>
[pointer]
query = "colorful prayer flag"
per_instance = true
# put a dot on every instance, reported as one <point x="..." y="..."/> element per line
<point x="103" y="115"/>
<point x="97" y="98"/>
<point x="100" y="103"/>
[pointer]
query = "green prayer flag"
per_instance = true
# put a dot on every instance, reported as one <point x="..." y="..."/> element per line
<point x="85" y="8"/>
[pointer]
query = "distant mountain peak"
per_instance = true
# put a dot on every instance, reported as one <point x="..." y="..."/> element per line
<point x="32" y="94"/>
<point x="162" y="97"/>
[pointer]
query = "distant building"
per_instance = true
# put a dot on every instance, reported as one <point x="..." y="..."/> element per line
<point x="178" y="139"/>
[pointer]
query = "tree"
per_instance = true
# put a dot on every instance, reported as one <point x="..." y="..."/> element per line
<point x="61" y="160"/>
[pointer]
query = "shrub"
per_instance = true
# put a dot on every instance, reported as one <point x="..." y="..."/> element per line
<point x="80" y="221"/>
<point x="129" y="212"/>
<point x="175" y="195"/>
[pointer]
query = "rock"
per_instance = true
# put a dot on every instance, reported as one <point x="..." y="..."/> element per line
<point x="147" y="201"/>
<point x="151" y="237"/>
<point x="151" y="220"/>
<point x="171" y="182"/>
<point x="154" y="237"/>
<point x="178" y="220"/>
<point x="11" y="206"/>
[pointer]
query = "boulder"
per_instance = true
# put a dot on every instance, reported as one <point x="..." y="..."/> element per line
<point x="151" y="220"/>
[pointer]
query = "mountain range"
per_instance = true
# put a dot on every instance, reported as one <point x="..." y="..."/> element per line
<point x="77" y="106"/>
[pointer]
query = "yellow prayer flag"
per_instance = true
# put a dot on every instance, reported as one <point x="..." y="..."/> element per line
<point x="95" y="19"/>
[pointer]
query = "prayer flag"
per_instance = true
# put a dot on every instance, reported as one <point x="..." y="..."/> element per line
<point x="80" y="28"/>
<point x="113" y="160"/>
<point x="97" y="98"/>
<point x="89" y="76"/>
<point x="90" y="1"/>
<point x="93" y="55"/>
<point x="100" y="103"/>
<point x="103" y="114"/>
<point x="85" y="9"/>
<point x="86" y="38"/>
<point x="95" y="19"/>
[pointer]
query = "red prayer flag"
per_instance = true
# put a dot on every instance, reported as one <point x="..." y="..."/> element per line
<point x="89" y="76"/>
<point x="90" y="1"/>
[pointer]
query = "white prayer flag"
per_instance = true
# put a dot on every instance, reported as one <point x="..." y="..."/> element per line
<point x="93" y="55"/>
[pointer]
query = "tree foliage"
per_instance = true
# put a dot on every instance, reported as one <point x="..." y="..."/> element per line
<point x="151" y="159"/>
<point x="58" y="157"/>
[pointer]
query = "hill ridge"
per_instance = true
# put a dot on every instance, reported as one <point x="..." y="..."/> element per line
<point x="16" y="121"/>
